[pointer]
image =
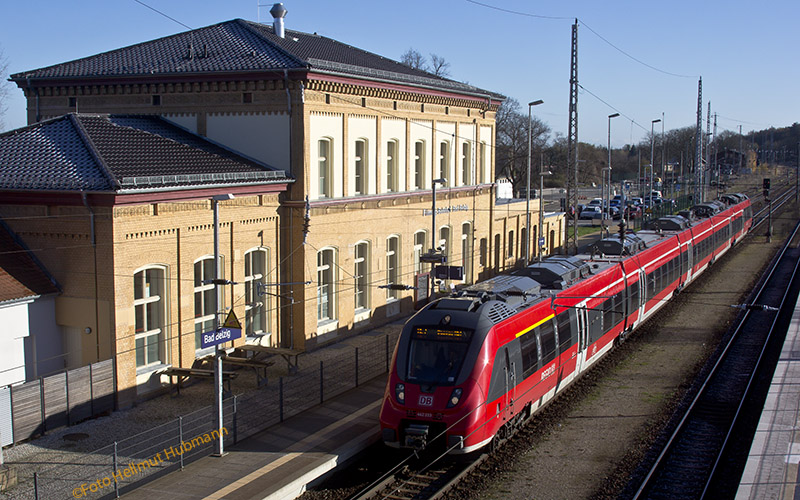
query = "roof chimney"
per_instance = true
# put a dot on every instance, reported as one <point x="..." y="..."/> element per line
<point x="278" y="12"/>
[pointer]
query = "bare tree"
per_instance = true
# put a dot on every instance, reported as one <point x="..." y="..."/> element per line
<point x="414" y="59"/>
<point x="439" y="66"/>
<point x="511" y="153"/>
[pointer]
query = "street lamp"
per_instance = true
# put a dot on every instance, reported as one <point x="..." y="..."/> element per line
<point x="542" y="173"/>
<point x="652" y="158"/>
<point x="219" y="446"/>
<point x="528" y="185"/>
<point x="608" y="201"/>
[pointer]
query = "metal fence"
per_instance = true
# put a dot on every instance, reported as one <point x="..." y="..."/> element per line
<point x="109" y="471"/>
<point x="31" y="409"/>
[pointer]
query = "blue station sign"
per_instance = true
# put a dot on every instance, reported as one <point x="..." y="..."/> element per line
<point x="229" y="330"/>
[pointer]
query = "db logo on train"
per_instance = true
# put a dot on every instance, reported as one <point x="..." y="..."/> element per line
<point x="426" y="400"/>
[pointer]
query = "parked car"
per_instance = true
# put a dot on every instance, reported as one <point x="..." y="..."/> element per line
<point x="590" y="212"/>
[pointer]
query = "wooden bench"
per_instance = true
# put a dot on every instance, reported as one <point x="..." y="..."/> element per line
<point x="258" y="366"/>
<point x="184" y="373"/>
<point x="290" y="355"/>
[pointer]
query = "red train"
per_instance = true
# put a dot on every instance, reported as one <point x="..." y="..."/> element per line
<point x="473" y="366"/>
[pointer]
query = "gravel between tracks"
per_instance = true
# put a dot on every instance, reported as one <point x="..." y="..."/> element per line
<point x="587" y="444"/>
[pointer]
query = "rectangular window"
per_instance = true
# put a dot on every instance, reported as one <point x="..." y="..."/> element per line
<point x="392" y="181"/>
<point x="156" y="100"/>
<point x="361" y="167"/>
<point x="482" y="163"/>
<point x="256" y="304"/>
<point x="444" y="159"/>
<point x="466" y="251"/>
<point x="466" y="164"/>
<point x="419" y="165"/>
<point x="325" y="168"/>
<point x="149" y="303"/>
<point x="204" y="299"/>
<point x="510" y="244"/>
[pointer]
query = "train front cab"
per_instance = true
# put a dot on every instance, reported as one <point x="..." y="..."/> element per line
<point x="435" y="395"/>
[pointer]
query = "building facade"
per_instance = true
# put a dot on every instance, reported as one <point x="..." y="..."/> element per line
<point x="363" y="139"/>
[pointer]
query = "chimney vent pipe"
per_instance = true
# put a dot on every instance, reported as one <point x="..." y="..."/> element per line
<point x="278" y="12"/>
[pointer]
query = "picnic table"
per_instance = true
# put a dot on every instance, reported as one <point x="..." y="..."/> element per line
<point x="290" y="355"/>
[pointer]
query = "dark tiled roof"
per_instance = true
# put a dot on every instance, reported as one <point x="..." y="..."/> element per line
<point x="243" y="46"/>
<point x="119" y="152"/>
<point x="21" y="276"/>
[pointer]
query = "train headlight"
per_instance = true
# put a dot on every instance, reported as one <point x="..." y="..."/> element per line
<point x="400" y="393"/>
<point x="455" y="397"/>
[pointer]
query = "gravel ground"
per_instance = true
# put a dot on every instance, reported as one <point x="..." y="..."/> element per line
<point x="69" y="445"/>
<point x="587" y="444"/>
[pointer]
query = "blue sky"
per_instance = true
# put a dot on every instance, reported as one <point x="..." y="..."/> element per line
<point x="745" y="52"/>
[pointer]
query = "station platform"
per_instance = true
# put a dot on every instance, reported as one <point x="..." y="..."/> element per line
<point x="281" y="461"/>
<point x="772" y="470"/>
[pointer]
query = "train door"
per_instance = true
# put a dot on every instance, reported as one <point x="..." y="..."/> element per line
<point x="643" y="294"/>
<point x="583" y="336"/>
<point x="690" y="260"/>
<point x="511" y="385"/>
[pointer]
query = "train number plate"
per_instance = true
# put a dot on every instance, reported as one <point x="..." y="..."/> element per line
<point x="426" y="400"/>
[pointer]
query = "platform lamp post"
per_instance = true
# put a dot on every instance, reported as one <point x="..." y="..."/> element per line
<point x="652" y="157"/>
<point x="608" y="201"/>
<point x="219" y="447"/>
<point x="539" y="244"/>
<point x="528" y="185"/>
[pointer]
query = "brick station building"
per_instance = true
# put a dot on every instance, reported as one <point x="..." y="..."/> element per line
<point x="360" y="139"/>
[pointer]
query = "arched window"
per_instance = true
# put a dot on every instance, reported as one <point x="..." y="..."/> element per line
<point x="444" y="242"/>
<point x="325" y="167"/>
<point x="149" y="304"/>
<point x="257" y="306"/>
<point x="326" y="284"/>
<point x="419" y="165"/>
<point x="420" y="247"/>
<point x="205" y="306"/>
<point x="466" y="251"/>
<point x="392" y="265"/>
<point x="392" y="162"/>
<point x="361" y="275"/>
<point x="361" y="167"/>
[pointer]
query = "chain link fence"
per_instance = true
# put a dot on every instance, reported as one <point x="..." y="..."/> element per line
<point x="111" y="470"/>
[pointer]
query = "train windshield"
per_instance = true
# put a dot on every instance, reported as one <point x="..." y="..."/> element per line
<point x="436" y="355"/>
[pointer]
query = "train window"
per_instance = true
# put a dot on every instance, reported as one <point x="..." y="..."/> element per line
<point x="547" y="336"/>
<point x="565" y="330"/>
<point x="608" y="314"/>
<point x="530" y="354"/>
<point x="633" y="296"/>
<point x="595" y="324"/>
<point x="435" y="356"/>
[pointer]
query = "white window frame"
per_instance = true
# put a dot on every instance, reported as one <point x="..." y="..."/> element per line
<point x="204" y="321"/>
<point x="392" y="166"/>
<point x="482" y="164"/>
<point x="420" y="246"/>
<point x="325" y="167"/>
<point x="150" y="327"/>
<point x="326" y="288"/>
<point x="392" y="265"/>
<point x="466" y="163"/>
<point x="361" y="166"/>
<point x="361" y="272"/>
<point x="445" y="239"/>
<point x="466" y="251"/>
<point x="257" y="307"/>
<point x="444" y="160"/>
<point x="419" y="164"/>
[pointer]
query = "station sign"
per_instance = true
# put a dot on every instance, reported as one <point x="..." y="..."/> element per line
<point x="231" y="329"/>
<point x="449" y="272"/>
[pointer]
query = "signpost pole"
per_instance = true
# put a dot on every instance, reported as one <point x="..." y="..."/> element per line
<point x="219" y="447"/>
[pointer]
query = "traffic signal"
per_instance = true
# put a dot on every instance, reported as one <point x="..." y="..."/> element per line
<point x="766" y="183"/>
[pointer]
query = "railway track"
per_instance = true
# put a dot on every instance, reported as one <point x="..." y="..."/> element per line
<point x="420" y="479"/>
<point x="696" y="460"/>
